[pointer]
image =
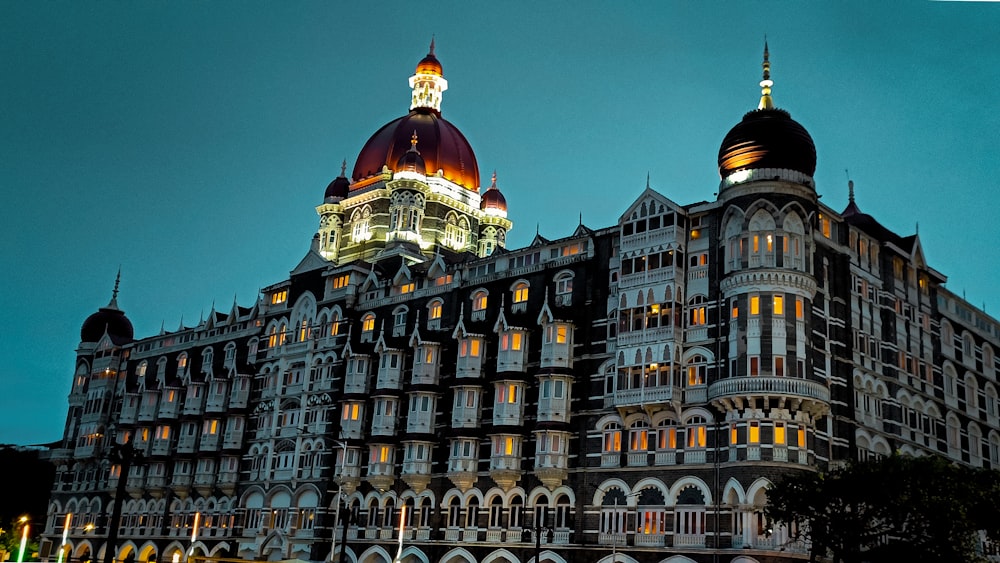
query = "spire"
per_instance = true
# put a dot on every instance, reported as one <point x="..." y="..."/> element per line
<point x="343" y="168"/>
<point x="413" y="138"/>
<point x="113" y="304"/>
<point x="647" y="180"/>
<point x="850" y="191"/>
<point x="431" y="52"/>
<point x="766" y="83"/>
<point x="493" y="184"/>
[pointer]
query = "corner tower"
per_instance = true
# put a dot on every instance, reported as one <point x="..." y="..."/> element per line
<point x="771" y="378"/>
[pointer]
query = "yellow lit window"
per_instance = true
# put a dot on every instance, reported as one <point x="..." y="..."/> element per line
<point x="145" y="434"/>
<point x="770" y="243"/>
<point x="755" y="305"/>
<point x="435" y="312"/>
<point x="171" y="395"/>
<point x="407" y="288"/>
<point x="696" y="436"/>
<point x="368" y="324"/>
<point x="341" y="281"/>
<point x="474" y="347"/>
<point x="736" y="311"/>
<point x="163" y="433"/>
<point x="734" y="436"/>
<point x="753" y="434"/>
<point x="613" y="441"/>
<point x="279" y="297"/>
<point x="335" y="327"/>
<point x="515" y="343"/>
<point x="799" y="307"/>
<point x="756" y="243"/>
<point x="429" y="356"/>
<point x="211" y="426"/>
<point x="561" y="334"/>
<point x="508" y="446"/>
<point x="668" y="438"/>
<point x="479" y="301"/>
<point x="824" y="225"/>
<point x="384" y="452"/>
<point x="779" y="305"/>
<point x="521" y="293"/>
<point x="640" y="440"/>
<point x="802" y="436"/>
<point x="779" y="433"/>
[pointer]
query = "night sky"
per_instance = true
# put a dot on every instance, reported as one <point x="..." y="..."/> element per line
<point x="189" y="142"/>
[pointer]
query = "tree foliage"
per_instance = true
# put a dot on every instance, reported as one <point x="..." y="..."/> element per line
<point x="897" y="508"/>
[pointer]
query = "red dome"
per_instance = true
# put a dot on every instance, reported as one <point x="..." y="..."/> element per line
<point x="493" y="199"/>
<point x="442" y="147"/>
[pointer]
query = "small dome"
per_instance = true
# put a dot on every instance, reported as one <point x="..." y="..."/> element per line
<point x="110" y="319"/>
<point x="493" y="200"/>
<point x="339" y="187"/>
<point x="411" y="161"/>
<point x="767" y="138"/>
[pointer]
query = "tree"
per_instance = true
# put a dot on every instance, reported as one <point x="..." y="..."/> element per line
<point x="897" y="508"/>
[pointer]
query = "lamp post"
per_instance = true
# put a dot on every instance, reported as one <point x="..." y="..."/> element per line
<point x="126" y="456"/>
<point x="65" y="536"/>
<point x="336" y="515"/>
<point x="539" y="528"/>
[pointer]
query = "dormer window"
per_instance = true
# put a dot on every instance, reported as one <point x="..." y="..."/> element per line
<point x="479" y="300"/>
<point x="367" y="327"/>
<point x="279" y="297"/>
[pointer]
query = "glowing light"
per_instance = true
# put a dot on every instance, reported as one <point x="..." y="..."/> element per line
<point x="24" y="539"/>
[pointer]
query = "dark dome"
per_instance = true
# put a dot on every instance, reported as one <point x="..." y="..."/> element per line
<point x="108" y="318"/>
<point x="338" y="188"/>
<point x="411" y="161"/>
<point x="493" y="199"/>
<point x="767" y="138"/>
<point x="442" y="147"/>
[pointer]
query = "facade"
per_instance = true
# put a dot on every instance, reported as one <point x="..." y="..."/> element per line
<point x="623" y="394"/>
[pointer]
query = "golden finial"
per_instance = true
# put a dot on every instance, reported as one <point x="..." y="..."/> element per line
<point x="766" y="83"/>
<point x="413" y="140"/>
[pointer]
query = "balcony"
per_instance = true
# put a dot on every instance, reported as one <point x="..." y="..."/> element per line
<point x="642" y="396"/>
<point x="646" y="336"/>
<point x="815" y="397"/>
<point x="209" y="442"/>
<point x="650" y="540"/>
<point x="636" y="279"/>
<point x="689" y="540"/>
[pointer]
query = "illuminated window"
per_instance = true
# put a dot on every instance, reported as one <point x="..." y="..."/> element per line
<point x="561" y="334"/>
<point x="697" y="367"/>
<point x="508" y="393"/>
<point x="406" y="288"/>
<point x="211" y="426"/>
<point x="779" y="433"/>
<point x="612" y="438"/>
<point x="279" y="297"/>
<point x="638" y="437"/>
<point x="802" y="436"/>
<point x="341" y="281"/>
<point x="734" y="435"/>
<point x="469" y="347"/>
<point x="824" y="225"/>
<point x="162" y="432"/>
<point x="698" y="311"/>
<point x="479" y="301"/>
<point x="352" y="411"/>
<point x="696" y="432"/>
<point x="182" y="362"/>
<point x="779" y="305"/>
<point x="753" y="432"/>
<point x="799" y="307"/>
<point x="511" y="341"/>
<point x="434" y="309"/>
<point x="735" y="310"/>
<point x="520" y="292"/>
<point x="368" y="323"/>
<point x="667" y="435"/>
<point x="755" y="305"/>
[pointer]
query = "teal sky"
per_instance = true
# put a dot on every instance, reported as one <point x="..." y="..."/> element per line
<point x="189" y="142"/>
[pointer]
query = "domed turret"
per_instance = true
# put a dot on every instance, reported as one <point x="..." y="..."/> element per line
<point x="411" y="161"/>
<point x="443" y="147"/>
<point x="339" y="187"/>
<point x="493" y="202"/>
<point x="108" y="319"/>
<point x="767" y="138"/>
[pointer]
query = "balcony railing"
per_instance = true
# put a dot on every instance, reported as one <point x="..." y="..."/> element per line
<point x="743" y="386"/>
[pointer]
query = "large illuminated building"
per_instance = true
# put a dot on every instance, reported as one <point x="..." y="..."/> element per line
<point x="622" y="394"/>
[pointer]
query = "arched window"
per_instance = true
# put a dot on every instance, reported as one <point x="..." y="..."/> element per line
<point x="367" y="327"/>
<point x="479" y="300"/>
<point x="638" y="436"/>
<point x="520" y="291"/>
<point x="612" y="437"/>
<point x="697" y="431"/>
<point x="697" y="370"/>
<point x="698" y="311"/>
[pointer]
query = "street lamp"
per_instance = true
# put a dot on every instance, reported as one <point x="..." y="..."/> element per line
<point x="24" y="538"/>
